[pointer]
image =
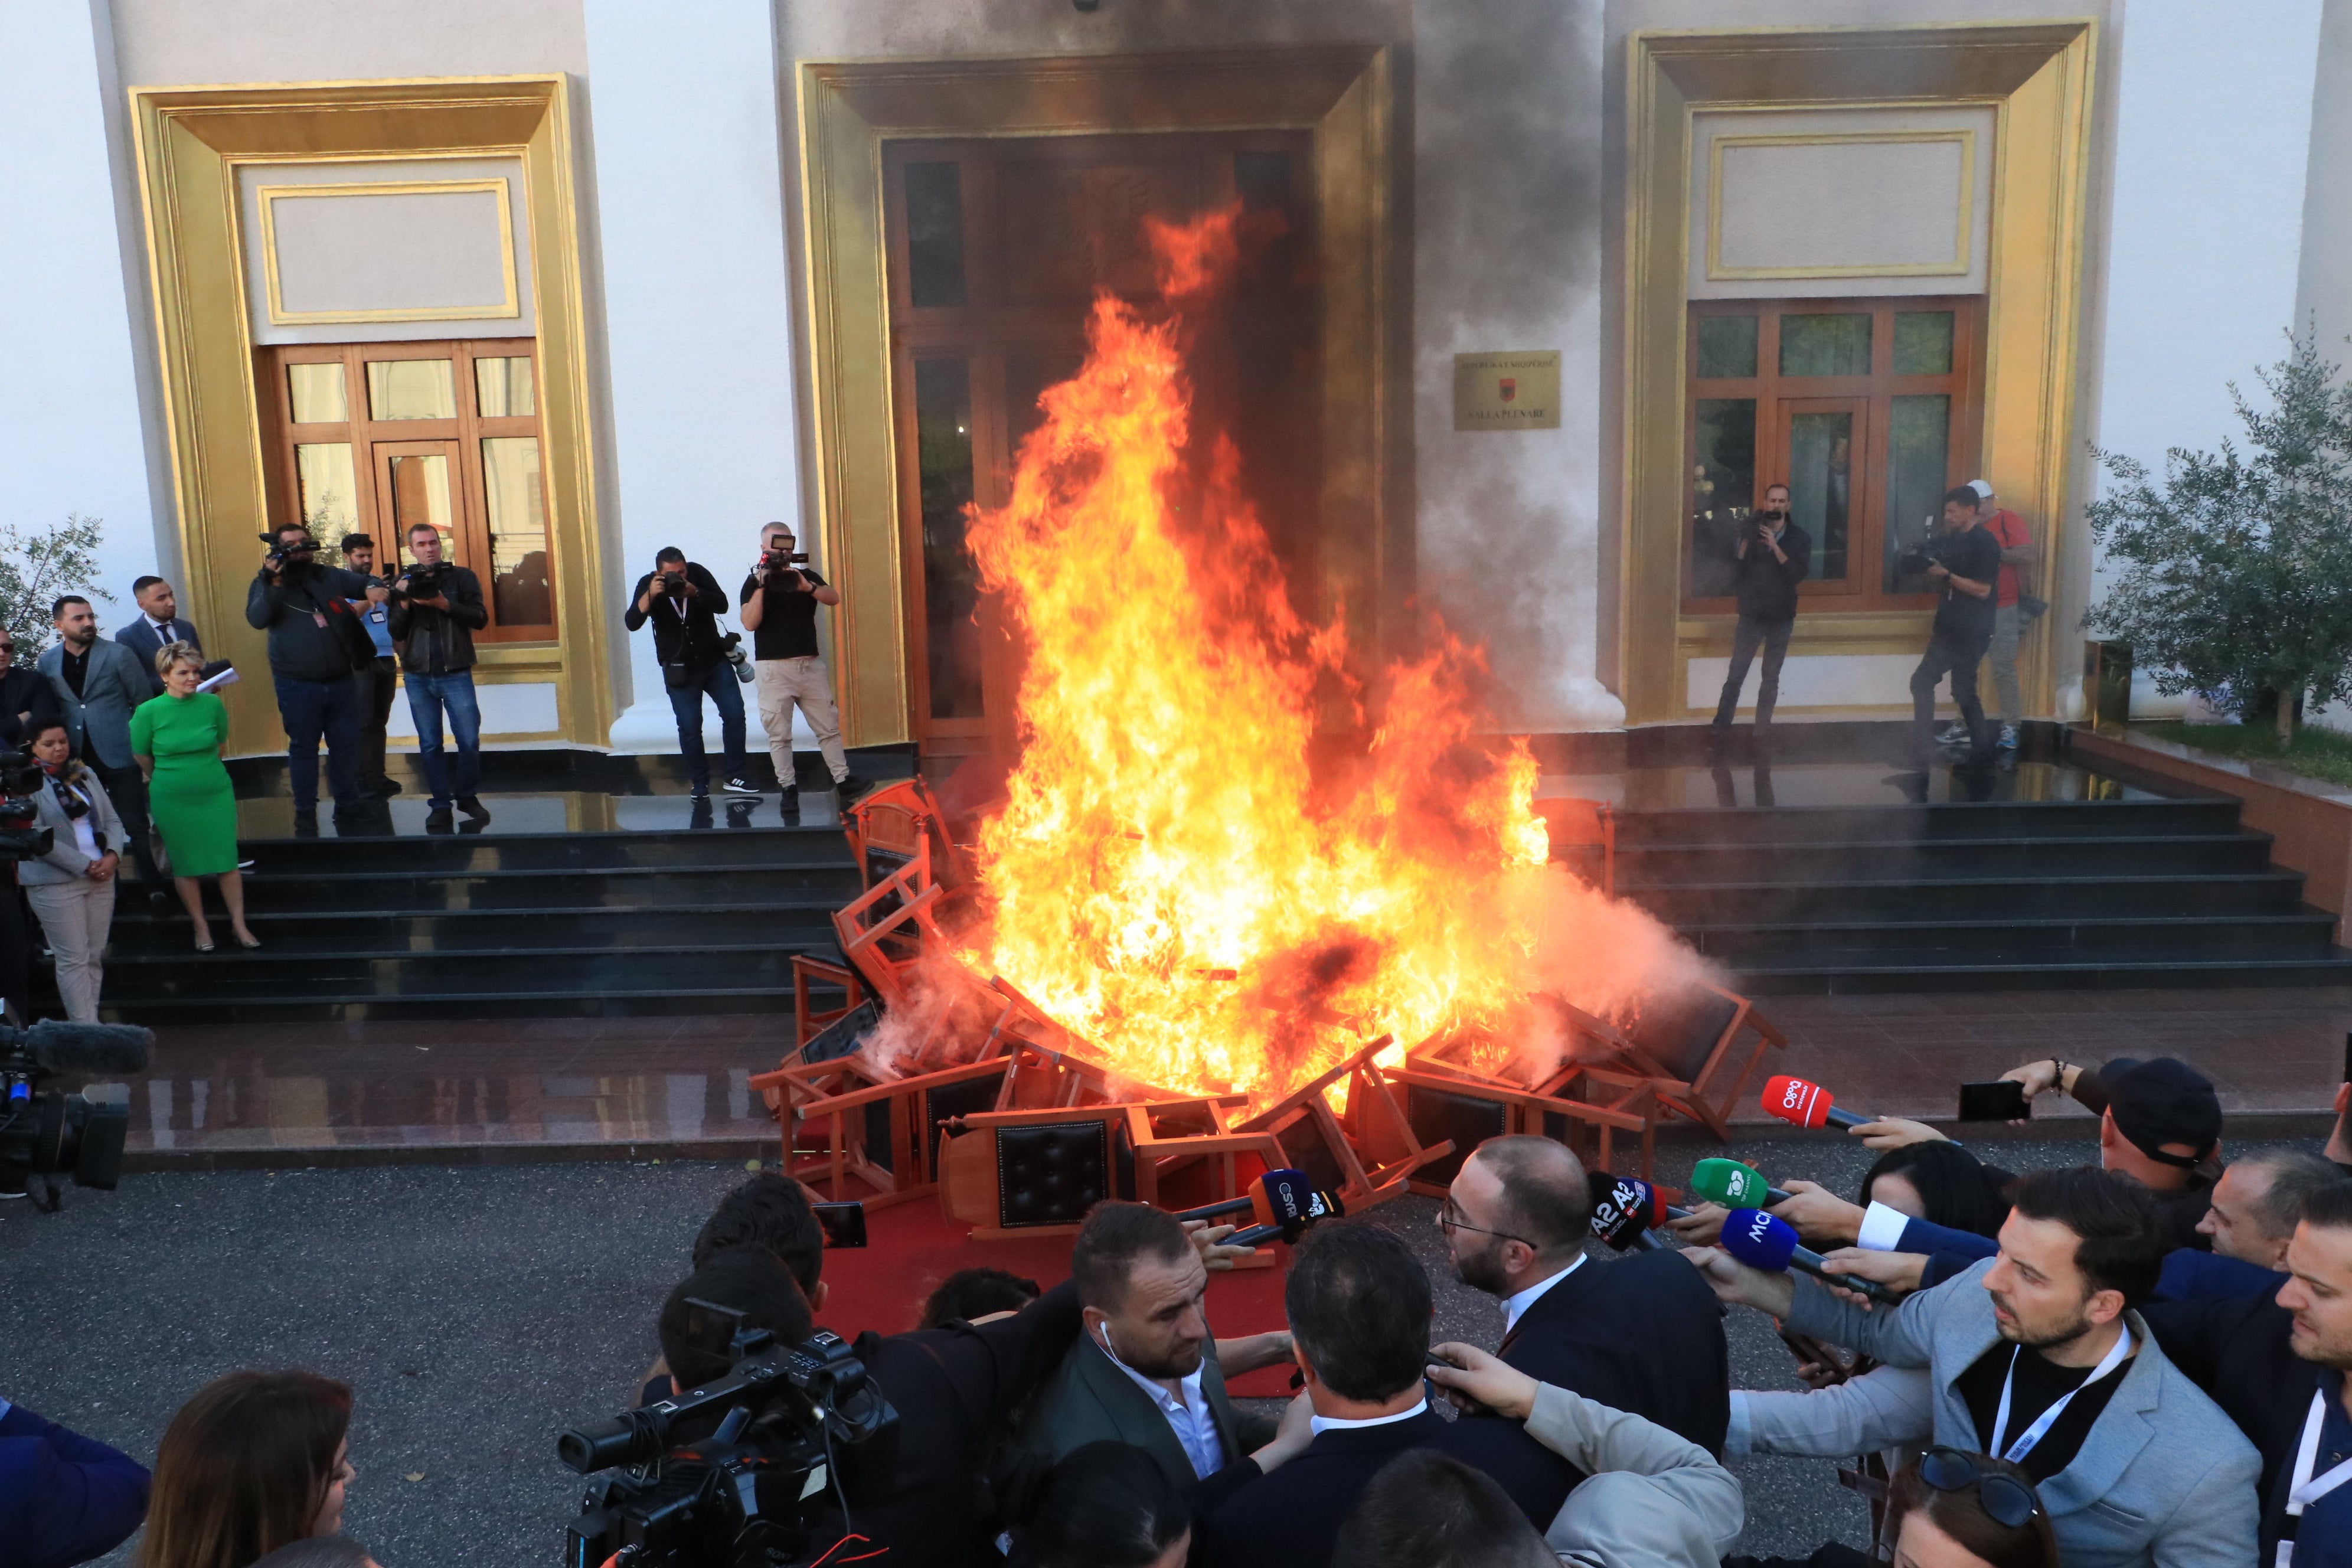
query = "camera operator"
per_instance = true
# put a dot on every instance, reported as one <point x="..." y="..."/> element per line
<point x="64" y="1498"/>
<point x="1771" y="558"/>
<point x="315" y="644"/>
<point x="380" y="677"/>
<point x="780" y="601"/>
<point x="1963" y="561"/>
<point x="436" y="608"/>
<point x="684" y="601"/>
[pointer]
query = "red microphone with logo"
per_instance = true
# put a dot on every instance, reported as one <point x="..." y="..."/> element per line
<point x="1803" y="1104"/>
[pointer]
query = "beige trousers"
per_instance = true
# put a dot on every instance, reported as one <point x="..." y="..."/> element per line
<point x="75" y="916"/>
<point x="785" y="681"/>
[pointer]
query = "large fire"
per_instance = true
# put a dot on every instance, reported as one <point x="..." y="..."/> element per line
<point x="1167" y="880"/>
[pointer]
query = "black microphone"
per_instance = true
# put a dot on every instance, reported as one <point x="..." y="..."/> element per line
<point x="1624" y="1209"/>
<point x="61" y="1046"/>
<point x="1273" y="1194"/>
<point x="1309" y="1209"/>
<point x="1769" y="1243"/>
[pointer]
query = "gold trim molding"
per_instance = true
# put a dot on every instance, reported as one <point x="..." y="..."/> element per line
<point x="266" y="198"/>
<point x="2038" y="79"/>
<point x="848" y="109"/>
<point x="191" y="143"/>
<point x="1965" y="136"/>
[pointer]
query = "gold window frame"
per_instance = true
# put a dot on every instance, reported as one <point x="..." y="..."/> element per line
<point x="191" y="143"/>
<point x="846" y="109"/>
<point x="266" y="198"/>
<point x="2038" y="79"/>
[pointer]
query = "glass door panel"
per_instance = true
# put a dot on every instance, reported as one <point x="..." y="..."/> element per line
<point x="1918" y="464"/>
<point x="415" y="484"/>
<point x="521" y="593"/>
<point x="950" y="576"/>
<point x="1824" y="439"/>
<point x="1723" y="489"/>
<point x="329" y="493"/>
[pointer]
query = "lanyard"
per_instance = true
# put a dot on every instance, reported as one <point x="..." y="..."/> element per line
<point x="2015" y="1452"/>
<point x="2306" y="1489"/>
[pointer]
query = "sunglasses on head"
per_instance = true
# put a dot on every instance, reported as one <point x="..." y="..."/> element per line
<point x="2006" y="1502"/>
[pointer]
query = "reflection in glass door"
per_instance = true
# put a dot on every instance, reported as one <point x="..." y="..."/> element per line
<point x="414" y="487"/>
<point x="1825" y="438"/>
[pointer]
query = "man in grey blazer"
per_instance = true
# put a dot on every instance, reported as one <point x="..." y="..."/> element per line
<point x="2039" y="1355"/>
<point x="99" y="683"/>
<point x="1145" y="1370"/>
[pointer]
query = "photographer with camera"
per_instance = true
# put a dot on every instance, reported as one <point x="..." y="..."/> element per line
<point x="780" y="601"/>
<point x="1771" y="557"/>
<point x="71" y="888"/>
<point x="315" y="644"/>
<point x="436" y="608"/>
<point x="1962" y="562"/>
<point x="379" y="678"/>
<point x="684" y="601"/>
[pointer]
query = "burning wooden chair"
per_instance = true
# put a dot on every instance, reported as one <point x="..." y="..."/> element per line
<point x="1363" y="1156"/>
<point x="1583" y="1104"/>
<point x="1690" y="1045"/>
<point x="1583" y="831"/>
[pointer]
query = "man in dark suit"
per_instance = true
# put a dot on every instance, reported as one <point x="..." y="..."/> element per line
<point x="1358" y="1306"/>
<point x="26" y="697"/>
<point x="1637" y="1333"/>
<point x="1144" y="1370"/>
<point x="159" y="626"/>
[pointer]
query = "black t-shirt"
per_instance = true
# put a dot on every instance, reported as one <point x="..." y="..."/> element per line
<point x="1976" y="555"/>
<point x="76" y="666"/>
<point x="787" y="627"/>
<point x="2041" y="1383"/>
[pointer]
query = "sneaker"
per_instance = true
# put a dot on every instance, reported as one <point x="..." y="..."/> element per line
<point x="740" y="787"/>
<point x="700" y="792"/>
<point x="847" y="789"/>
<point x="1953" y="733"/>
<point x="438" y="820"/>
<point x="471" y="804"/>
<point x="2009" y="737"/>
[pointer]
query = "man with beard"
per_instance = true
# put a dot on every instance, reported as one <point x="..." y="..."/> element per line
<point x="2276" y="1364"/>
<point x="1640" y="1332"/>
<point x="2039" y="1356"/>
<point x="1769" y="558"/>
<point x="1144" y="1370"/>
<point x="95" y="687"/>
<point x="315" y="644"/>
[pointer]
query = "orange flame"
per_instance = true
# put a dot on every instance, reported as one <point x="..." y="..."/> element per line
<point x="1164" y="880"/>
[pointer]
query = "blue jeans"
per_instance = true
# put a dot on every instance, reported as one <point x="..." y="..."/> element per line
<point x="312" y="709"/>
<point x="685" y="703"/>
<point x="429" y="697"/>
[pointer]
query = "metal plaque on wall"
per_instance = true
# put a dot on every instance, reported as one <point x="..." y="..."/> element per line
<point x="1512" y="391"/>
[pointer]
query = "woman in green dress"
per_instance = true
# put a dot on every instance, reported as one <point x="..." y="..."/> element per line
<point x="177" y="738"/>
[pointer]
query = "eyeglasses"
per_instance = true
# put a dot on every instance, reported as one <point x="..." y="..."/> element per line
<point x="1449" y="1219"/>
<point x="2006" y="1502"/>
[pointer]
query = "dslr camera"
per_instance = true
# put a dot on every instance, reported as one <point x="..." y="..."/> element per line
<point x="1915" y="558"/>
<point x="759" y="1469"/>
<point x="783" y="560"/>
<point x="424" y="581"/>
<point x="45" y="1133"/>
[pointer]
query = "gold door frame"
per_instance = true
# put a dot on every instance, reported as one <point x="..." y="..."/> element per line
<point x="192" y="142"/>
<point x="847" y="109"/>
<point x="2037" y="79"/>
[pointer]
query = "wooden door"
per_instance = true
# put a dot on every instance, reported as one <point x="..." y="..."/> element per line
<point x="996" y="250"/>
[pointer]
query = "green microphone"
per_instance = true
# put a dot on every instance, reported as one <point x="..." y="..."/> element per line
<point x="1733" y="1184"/>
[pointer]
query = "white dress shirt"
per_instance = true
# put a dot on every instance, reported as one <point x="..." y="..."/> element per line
<point x="1515" y="1307"/>
<point x="1190" y="1417"/>
<point x="1320" y="1424"/>
<point x="1882" y="1229"/>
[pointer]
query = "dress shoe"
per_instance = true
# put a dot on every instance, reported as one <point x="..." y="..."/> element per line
<point x="848" y="789"/>
<point x="438" y="820"/>
<point x="306" y="824"/>
<point x="471" y="804"/>
<point x="789" y="800"/>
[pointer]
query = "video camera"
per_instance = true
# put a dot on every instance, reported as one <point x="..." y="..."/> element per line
<point x="20" y="780"/>
<point x="46" y="1133"/>
<point x="424" y="581"/>
<point x="785" y="1425"/>
<point x="783" y="560"/>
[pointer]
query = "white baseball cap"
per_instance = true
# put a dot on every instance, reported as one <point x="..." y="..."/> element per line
<point x="1982" y="487"/>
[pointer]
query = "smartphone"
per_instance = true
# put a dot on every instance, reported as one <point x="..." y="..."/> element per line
<point x="2003" y="1099"/>
<point x="2347" y="1056"/>
<point x="845" y="1223"/>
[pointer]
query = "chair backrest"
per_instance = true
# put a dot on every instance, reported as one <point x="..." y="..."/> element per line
<point x="892" y="823"/>
<point x="1680" y="1031"/>
<point x="1577" y="821"/>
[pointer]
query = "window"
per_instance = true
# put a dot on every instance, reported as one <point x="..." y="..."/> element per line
<point x="1867" y="409"/>
<point x="375" y="438"/>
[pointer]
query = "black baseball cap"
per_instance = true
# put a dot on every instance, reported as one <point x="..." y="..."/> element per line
<point x="2163" y="1100"/>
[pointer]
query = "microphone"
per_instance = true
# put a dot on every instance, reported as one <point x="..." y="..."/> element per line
<point x="1624" y="1209"/>
<point x="1272" y="1194"/>
<point x="1733" y="1184"/>
<point x="1306" y="1206"/>
<point x="1766" y="1242"/>
<point x="1794" y="1101"/>
<point x="60" y="1046"/>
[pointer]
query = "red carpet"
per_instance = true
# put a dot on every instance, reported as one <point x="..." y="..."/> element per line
<point x="911" y="1248"/>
